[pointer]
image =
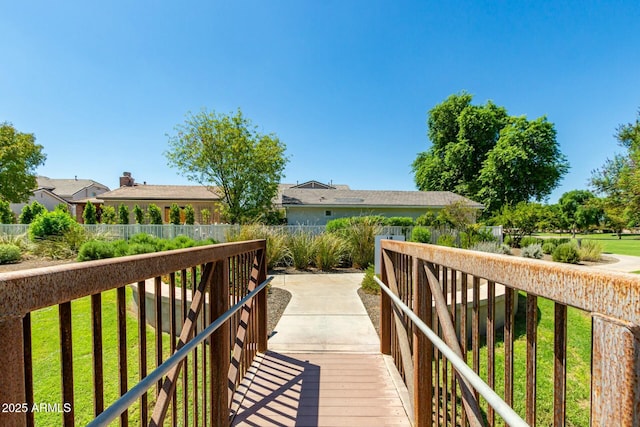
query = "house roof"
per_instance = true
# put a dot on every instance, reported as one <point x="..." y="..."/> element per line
<point x="366" y="198"/>
<point x="65" y="187"/>
<point x="161" y="192"/>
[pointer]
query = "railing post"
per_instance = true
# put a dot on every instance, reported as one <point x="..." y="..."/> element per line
<point x="615" y="385"/>
<point x="220" y="345"/>
<point x="422" y="349"/>
<point x="385" y="310"/>
<point x="12" y="385"/>
<point x="261" y="302"/>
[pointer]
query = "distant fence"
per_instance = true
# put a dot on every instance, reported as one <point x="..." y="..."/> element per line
<point x="219" y="232"/>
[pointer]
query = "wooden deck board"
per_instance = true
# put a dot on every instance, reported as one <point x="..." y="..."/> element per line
<point x="319" y="390"/>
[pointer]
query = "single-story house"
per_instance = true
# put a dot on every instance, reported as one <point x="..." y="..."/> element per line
<point x="52" y="192"/>
<point x="163" y="196"/>
<point x="314" y="203"/>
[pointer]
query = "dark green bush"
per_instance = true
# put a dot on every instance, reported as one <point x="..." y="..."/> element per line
<point x="120" y="247"/>
<point x="181" y="242"/>
<point x="96" y="249"/>
<point x="566" y="252"/>
<point x="155" y="214"/>
<point x="6" y="214"/>
<point x="369" y="285"/>
<point x="140" y="248"/>
<point x="189" y="215"/>
<point x="426" y="219"/>
<point x="174" y="214"/>
<point x="337" y="224"/>
<point x="138" y="214"/>
<point x="399" y="221"/>
<point x="51" y="224"/>
<point x="89" y="214"/>
<point x="123" y="214"/>
<point x="9" y="253"/>
<point x="421" y="235"/>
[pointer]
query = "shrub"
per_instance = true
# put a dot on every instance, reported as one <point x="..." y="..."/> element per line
<point x="508" y="240"/>
<point x="180" y="242"/>
<point x="51" y="224"/>
<point x="369" y="285"/>
<point x="140" y="248"/>
<point x="337" y="224"/>
<point x="532" y="251"/>
<point x="566" y="252"/>
<point x="301" y="249"/>
<point x="147" y="239"/>
<point x="427" y="219"/>
<point x="399" y="221"/>
<point x="529" y="240"/>
<point x="89" y="215"/>
<point x="548" y="247"/>
<point x="120" y="247"/>
<point x="174" y="214"/>
<point x="96" y="249"/>
<point x="421" y="235"/>
<point x="9" y="253"/>
<point x="189" y="215"/>
<point x="29" y="212"/>
<point x="155" y="215"/>
<point x="447" y="240"/>
<point x="590" y="250"/>
<point x="491" y="247"/>
<point x="329" y="251"/>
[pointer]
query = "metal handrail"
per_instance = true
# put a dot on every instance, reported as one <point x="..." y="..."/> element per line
<point x="492" y="398"/>
<point x="127" y="399"/>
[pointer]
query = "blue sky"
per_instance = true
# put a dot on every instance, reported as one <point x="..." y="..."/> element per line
<point x="346" y="85"/>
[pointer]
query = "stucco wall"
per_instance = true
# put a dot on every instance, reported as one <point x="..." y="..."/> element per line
<point x="317" y="215"/>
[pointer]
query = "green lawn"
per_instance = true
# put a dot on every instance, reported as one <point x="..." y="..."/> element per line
<point x="46" y="358"/>
<point x="628" y="245"/>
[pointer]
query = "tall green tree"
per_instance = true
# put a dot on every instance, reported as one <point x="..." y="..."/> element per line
<point x="19" y="158"/>
<point x="90" y="215"/>
<point x="155" y="214"/>
<point x="580" y="210"/>
<point x="618" y="180"/>
<point x="123" y="214"/>
<point x="138" y="214"/>
<point x="189" y="215"/>
<point x="228" y="155"/>
<point x="483" y="153"/>
<point x="108" y="215"/>
<point x="174" y="214"/>
<point x="6" y="214"/>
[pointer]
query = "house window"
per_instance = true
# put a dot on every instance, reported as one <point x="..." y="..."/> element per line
<point x="327" y="213"/>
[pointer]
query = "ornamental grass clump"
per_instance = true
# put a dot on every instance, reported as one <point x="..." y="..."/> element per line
<point x="369" y="285"/>
<point x="330" y="251"/>
<point x="301" y="249"/>
<point x="590" y="250"/>
<point x="360" y="239"/>
<point x="491" y="247"/>
<point x="277" y="251"/>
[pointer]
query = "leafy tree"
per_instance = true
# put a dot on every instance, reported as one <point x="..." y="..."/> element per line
<point x="580" y="210"/>
<point x="6" y="214"/>
<point x="525" y="164"/>
<point x="108" y="215"/>
<point x="138" y="214"/>
<point x="229" y="153"/>
<point x="62" y="207"/>
<point x="155" y="215"/>
<point x="519" y="220"/>
<point x="90" y="215"/>
<point x="189" y="215"/>
<point x="123" y="214"/>
<point x="619" y="178"/>
<point x="174" y="214"/>
<point x="19" y="158"/>
<point x="484" y="154"/>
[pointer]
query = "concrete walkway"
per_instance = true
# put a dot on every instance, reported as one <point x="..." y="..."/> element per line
<point x="626" y="263"/>
<point x="325" y="314"/>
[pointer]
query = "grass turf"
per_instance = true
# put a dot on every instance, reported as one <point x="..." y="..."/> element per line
<point x="628" y="245"/>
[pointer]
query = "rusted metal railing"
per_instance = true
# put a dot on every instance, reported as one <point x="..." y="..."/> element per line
<point x="196" y="391"/>
<point x="468" y="297"/>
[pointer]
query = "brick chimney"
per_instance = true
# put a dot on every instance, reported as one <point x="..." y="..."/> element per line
<point x="126" y="180"/>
